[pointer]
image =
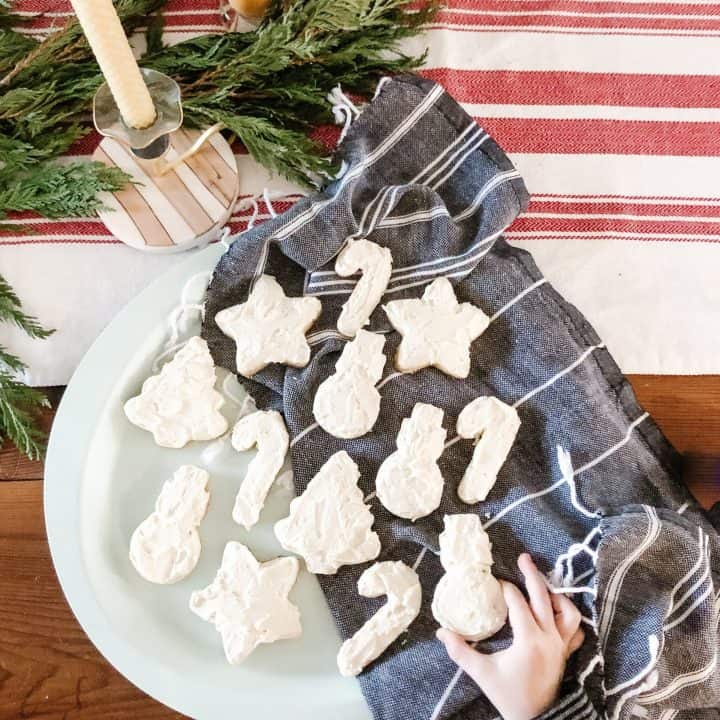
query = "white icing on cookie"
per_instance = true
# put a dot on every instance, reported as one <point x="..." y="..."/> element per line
<point x="347" y="404"/>
<point x="165" y="547"/>
<point x="267" y="430"/>
<point x="181" y="403"/>
<point x="329" y="524"/>
<point x="375" y="264"/>
<point x="404" y="595"/>
<point x="247" y="601"/>
<point x="409" y="482"/>
<point x="468" y="599"/>
<point x="269" y="327"/>
<point x="496" y="424"/>
<point x="437" y="330"/>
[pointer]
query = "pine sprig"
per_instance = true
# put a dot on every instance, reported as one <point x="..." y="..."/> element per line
<point x="286" y="151"/>
<point x="19" y="404"/>
<point x="17" y="155"/>
<point x="268" y="86"/>
<point x="19" y="409"/>
<point x="11" y="311"/>
<point x="280" y="74"/>
<point x="57" y="191"/>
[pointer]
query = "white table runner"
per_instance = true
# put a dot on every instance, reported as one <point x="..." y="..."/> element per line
<point x="611" y="111"/>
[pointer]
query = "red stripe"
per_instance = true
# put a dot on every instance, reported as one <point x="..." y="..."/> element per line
<point x="192" y="4"/>
<point x="563" y="225"/>
<point x="38" y="6"/>
<point x="621" y="137"/>
<point x="633" y="198"/>
<point x="172" y="23"/>
<point x="580" y="6"/>
<point x="625" y="208"/>
<point x="60" y="228"/>
<point x="327" y="135"/>
<point x="85" y="145"/>
<point x="509" y="87"/>
<point x="513" y="236"/>
<point x="279" y="206"/>
<point x="560" y="31"/>
<point x="587" y="21"/>
<point x="235" y="227"/>
<point x="60" y="241"/>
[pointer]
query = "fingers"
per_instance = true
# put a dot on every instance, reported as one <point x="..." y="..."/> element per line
<point x="538" y="593"/>
<point x="567" y="616"/>
<point x="520" y="616"/>
<point x="575" y="641"/>
<point x="472" y="662"/>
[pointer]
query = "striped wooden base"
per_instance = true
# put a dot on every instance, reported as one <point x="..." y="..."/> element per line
<point x="173" y="212"/>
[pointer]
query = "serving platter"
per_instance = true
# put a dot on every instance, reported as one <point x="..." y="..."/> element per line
<point x="101" y="480"/>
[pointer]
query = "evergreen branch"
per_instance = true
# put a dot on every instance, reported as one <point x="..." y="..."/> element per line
<point x="57" y="191"/>
<point x="289" y="152"/>
<point x="19" y="404"/>
<point x="268" y="86"/>
<point x="13" y="47"/>
<point x="10" y="361"/>
<point x="154" y="33"/>
<point x="19" y="410"/>
<point x="69" y="44"/>
<point x="17" y="155"/>
<point x="11" y="311"/>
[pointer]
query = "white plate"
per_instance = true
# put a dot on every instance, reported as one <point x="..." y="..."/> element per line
<point x="101" y="479"/>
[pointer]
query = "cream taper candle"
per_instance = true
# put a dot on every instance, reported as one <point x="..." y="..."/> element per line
<point x="113" y="53"/>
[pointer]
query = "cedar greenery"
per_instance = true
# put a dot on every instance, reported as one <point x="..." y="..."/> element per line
<point x="19" y="404"/>
<point x="268" y="87"/>
<point x="57" y="191"/>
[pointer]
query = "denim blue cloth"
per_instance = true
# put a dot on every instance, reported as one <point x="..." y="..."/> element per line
<point x="421" y="178"/>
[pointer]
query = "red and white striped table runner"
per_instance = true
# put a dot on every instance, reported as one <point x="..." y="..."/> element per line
<point x="610" y="110"/>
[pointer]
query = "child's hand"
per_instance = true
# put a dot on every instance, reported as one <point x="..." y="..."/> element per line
<point x="523" y="681"/>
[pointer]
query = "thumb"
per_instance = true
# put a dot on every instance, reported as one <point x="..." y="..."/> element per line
<point x="475" y="664"/>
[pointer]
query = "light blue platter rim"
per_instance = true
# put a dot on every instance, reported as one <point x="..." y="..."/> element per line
<point x="84" y="402"/>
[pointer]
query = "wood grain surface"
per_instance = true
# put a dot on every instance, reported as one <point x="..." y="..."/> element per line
<point x="49" y="670"/>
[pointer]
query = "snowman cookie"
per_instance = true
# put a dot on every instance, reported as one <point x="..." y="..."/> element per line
<point x="165" y="547"/>
<point x="468" y="600"/>
<point x="347" y="404"/>
<point x="409" y="482"/>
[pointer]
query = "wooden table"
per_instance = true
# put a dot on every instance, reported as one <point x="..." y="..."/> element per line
<point x="50" y="670"/>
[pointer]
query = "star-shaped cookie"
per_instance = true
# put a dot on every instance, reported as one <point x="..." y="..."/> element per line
<point x="247" y="601"/>
<point x="437" y="330"/>
<point x="269" y="327"/>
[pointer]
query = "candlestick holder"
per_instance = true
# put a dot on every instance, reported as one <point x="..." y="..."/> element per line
<point x="176" y="199"/>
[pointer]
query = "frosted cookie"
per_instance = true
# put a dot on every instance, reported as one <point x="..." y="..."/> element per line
<point x="247" y="601"/>
<point x="181" y="403"/>
<point x="468" y="600"/>
<point x="269" y="327"/>
<point x="165" y="547"/>
<point x="347" y="404"/>
<point x="437" y="330"/>
<point x="329" y="524"/>
<point x="409" y="482"/>
<point x="267" y="430"/>
<point x="496" y="425"/>
<point x="402" y="587"/>
<point x="375" y="264"/>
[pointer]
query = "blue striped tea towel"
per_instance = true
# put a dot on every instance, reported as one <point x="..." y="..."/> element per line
<point x="612" y="520"/>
